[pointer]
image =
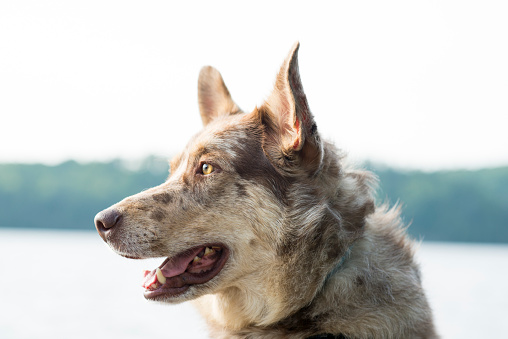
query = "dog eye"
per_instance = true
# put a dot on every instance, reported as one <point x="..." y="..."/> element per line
<point x="206" y="169"/>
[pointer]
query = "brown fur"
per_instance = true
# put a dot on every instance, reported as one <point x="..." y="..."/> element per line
<point x="310" y="252"/>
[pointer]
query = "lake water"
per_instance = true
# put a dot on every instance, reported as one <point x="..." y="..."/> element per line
<point x="56" y="284"/>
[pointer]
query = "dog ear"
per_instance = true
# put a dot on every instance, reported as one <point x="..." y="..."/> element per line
<point x="213" y="96"/>
<point x="291" y="137"/>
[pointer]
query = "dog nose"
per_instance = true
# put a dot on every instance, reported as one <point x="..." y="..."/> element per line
<point x="106" y="220"/>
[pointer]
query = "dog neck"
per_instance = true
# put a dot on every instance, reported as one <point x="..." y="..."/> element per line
<point x="229" y="310"/>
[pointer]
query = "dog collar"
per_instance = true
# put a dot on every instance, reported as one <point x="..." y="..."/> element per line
<point x="328" y="276"/>
<point x="339" y="265"/>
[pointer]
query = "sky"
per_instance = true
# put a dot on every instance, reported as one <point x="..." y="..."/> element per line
<point x="415" y="85"/>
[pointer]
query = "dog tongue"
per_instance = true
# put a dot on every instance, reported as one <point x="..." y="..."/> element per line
<point x="171" y="267"/>
<point x="176" y="267"/>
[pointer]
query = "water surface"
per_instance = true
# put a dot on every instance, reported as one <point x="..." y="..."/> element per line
<point x="69" y="284"/>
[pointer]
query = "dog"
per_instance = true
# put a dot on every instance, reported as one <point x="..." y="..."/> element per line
<point x="269" y="230"/>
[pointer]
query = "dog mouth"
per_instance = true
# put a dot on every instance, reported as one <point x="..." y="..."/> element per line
<point x="195" y="266"/>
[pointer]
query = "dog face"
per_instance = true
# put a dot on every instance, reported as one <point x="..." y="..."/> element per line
<point x="247" y="200"/>
<point x="208" y="201"/>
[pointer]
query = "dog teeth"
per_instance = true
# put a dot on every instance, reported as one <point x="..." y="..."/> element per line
<point x="160" y="277"/>
<point x="207" y="251"/>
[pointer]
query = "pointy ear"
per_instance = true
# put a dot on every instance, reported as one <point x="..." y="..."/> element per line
<point x="291" y="137"/>
<point x="213" y="96"/>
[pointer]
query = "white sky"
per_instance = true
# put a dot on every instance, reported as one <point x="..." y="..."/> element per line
<point x="410" y="84"/>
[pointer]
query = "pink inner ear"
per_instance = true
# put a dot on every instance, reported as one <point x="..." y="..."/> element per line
<point x="297" y="128"/>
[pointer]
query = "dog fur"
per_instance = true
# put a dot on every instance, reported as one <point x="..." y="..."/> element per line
<point x="309" y="250"/>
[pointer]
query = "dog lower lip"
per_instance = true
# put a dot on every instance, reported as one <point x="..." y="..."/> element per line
<point x="131" y="257"/>
<point x="183" y="271"/>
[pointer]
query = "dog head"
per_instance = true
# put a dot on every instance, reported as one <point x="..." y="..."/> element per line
<point x="252" y="199"/>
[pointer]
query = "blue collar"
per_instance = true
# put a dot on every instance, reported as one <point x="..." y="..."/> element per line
<point x="339" y="265"/>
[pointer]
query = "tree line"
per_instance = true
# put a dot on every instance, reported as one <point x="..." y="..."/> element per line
<point x="469" y="206"/>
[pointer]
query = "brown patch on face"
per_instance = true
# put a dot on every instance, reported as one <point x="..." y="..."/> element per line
<point x="157" y="215"/>
<point x="164" y="198"/>
<point x="252" y="164"/>
<point x="242" y="191"/>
